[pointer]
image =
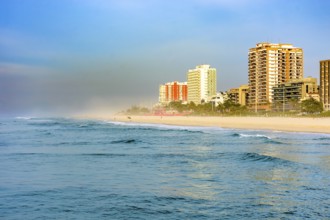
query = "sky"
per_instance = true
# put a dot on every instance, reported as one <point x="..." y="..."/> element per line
<point x="61" y="57"/>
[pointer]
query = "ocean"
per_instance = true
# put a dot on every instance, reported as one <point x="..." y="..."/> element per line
<point x="61" y="168"/>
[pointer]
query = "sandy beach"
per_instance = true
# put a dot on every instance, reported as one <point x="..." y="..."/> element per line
<point x="315" y="125"/>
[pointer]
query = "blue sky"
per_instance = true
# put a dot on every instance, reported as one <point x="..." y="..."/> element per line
<point x="66" y="56"/>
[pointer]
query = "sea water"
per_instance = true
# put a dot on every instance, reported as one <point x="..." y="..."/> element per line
<point x="55" y="168"/>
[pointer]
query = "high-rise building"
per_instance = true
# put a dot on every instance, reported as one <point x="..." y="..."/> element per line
<point x="325" y="84"/>
<point x="269" y="65"/>
<point x="202" y="84"/>
<point x="173" y="91"/>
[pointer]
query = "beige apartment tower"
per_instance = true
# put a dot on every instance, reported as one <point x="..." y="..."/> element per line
<point x="269" y="65"/>
<point x="202" y="84"/>
<point x="325" y="84"/>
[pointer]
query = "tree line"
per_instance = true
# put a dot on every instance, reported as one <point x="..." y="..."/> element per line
<point x="309" y="106"/>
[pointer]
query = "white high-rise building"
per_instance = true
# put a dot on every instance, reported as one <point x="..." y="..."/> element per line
<point x="202" y="84"/>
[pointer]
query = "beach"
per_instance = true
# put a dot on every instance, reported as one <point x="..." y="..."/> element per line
<point x="299" y="124"/>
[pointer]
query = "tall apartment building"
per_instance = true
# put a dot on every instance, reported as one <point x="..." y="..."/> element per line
<point x="269" y="65"/>
<point x="173" y="91"/>
<point x="202" y="84"/>
<point x="325" y="84"/>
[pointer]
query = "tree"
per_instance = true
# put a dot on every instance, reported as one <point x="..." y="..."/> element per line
<point x="230" y="106"/>
<point x="293" y="104"/>
<point x="177" y="105"/>
<point x="220" y="107"/>
<point x="192" y="106"/>
<point x="311" y="106"/>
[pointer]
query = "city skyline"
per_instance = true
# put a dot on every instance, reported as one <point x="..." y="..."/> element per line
<point x="64" y="56"/>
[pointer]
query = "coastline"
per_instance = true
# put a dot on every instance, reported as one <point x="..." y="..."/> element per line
<point x="288" y="124"/>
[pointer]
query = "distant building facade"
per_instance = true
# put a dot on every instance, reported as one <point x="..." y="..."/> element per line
<point x="162" y="96"/>
<point x="287" y="96"/>
<point x="239" y="95"/>
<point x="325" y="84"/>
<point x="202" y="84"/>
<point x="270" y="65"/>
<point x="173" y="91"/>
<point x="233" y="95"/>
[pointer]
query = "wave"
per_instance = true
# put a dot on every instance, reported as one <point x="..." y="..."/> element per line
<point x="271" y="141"/>
<point x="170" y="155"/>
<point x="261" y="158"/>
<point x="104" y="155"/>
<point x="322" y="139"/>
<point x="44" y="122"/>
<point x="23" y="118"/>
<point x="312" y="188"/>
<point x="250" y="136"/>
<point x="163" y="127"/>
<point x="266" y="138"/>
<point x="87" y="125"/>
<point x="75" y="143"/>
<point x="170" y="198"/>
<point x="127" y="141"/>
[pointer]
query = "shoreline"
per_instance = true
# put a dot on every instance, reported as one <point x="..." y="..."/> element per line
<point x="288" y="124"/>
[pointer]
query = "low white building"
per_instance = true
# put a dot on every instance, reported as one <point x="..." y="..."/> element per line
<point x="219" y="98"/>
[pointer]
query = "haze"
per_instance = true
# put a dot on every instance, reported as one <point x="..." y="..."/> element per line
<point x="73" y="56"/>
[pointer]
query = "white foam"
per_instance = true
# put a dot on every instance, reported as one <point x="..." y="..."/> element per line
<point x="163" y="126"/>
<point x="23" y="118"/>
<point x="254" y="135"/>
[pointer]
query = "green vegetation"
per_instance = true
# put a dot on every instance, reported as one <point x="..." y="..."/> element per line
<point x="325" y="114"/>
<point x="229" y="108"/>
<point x="311" y="106"/>
<point x="306" y="108"/>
